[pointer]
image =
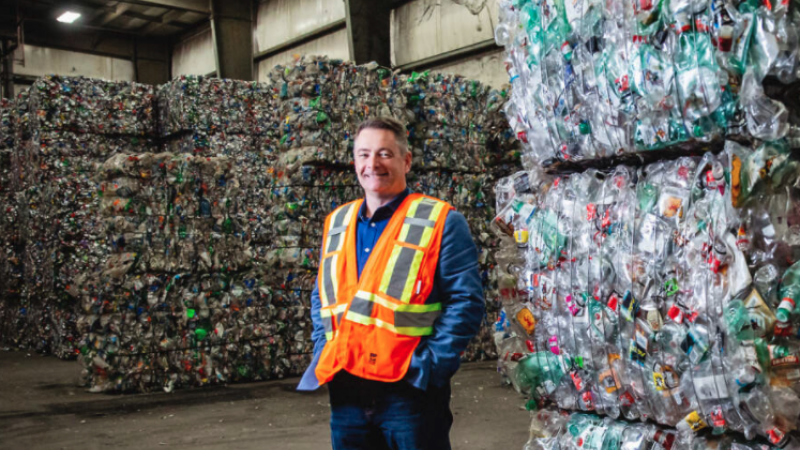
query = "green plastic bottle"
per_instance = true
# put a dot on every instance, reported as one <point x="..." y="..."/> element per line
<point x="789" y="293"/>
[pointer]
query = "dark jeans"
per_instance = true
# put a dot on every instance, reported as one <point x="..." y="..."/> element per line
<point x="372" y="415"/>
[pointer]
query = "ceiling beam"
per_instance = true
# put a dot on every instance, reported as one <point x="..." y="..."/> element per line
<point x="171" y="16"/>
<point x="121" y="8"/>
<point x="197" y="6"/>
<point x="156" y="19"/>
<point x="114" y="12"/>
<point x="168" y="19"/>
<point x="100" y="43"/>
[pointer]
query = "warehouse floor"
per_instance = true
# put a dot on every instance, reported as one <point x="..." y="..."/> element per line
<point x="41" y="407"/>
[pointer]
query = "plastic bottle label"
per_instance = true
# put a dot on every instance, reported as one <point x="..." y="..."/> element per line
<point x="676" y="314"/>
<point x="695" y="422"/>
<point x="637" y="354"/>
<point x="629" y="306"/>
<point x="780" y="356"/>
<point x="658" y="381"/>
<point x="665" y="439"/>
<point x="526" y="319"/>
<point x="775" y="436"/>
<point x="592" y="438"/>
<point x="654" y="319"/>
<point x="710" y="387"/>
<point x="609" y="380"/>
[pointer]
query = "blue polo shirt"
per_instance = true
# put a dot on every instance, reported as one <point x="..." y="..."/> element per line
<point x="457" y="285"/>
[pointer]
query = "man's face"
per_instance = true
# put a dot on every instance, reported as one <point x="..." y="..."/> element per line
<point x="380" y="164"/>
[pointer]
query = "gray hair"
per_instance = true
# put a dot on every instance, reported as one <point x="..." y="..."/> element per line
<point x="390" y="124"/>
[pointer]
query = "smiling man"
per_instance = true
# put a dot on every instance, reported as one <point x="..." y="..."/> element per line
<point x="397" y="299"/>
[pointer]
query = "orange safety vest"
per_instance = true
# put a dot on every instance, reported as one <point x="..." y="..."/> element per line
<point x="373" y="325"/>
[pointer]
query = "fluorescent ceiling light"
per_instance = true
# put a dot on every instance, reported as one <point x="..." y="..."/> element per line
<point x="68" y="17"/>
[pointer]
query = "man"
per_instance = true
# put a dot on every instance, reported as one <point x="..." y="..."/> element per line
<point x="398" y="297"/>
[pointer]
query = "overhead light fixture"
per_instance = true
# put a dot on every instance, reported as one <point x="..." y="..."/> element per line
<point x="68" y="17"/>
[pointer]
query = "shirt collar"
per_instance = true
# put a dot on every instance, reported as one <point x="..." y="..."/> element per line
<point x="384" y="211"/>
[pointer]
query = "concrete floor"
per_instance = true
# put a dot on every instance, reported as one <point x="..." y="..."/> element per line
<point x="41" y="407"/>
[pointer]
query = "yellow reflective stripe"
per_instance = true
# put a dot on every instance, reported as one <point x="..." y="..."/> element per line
<point x="401" y="273"/>
<point x="338" y="239"/>
<point x="328" y="282"/>
<point x="414" y="331"/>
<point x="326" y="314"/>
<point x="406" y="331"/>
<point x="329" y="312"/>
<point x="413" y="308"/>
<point x="412" y="277"/>
<point x="412" y="210"/>
<point x="349" y="215"/>
<point x="334" y="260"/>
<point x="387" y="273"/>
<point x="323" y="293"/>
<point x="404" y="233"/>
<point x="426" y="235"/>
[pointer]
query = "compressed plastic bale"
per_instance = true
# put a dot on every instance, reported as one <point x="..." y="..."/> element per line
<point x="658" y="77"/>
<point x="89" y="105"/>
<point x="667" y="289"/>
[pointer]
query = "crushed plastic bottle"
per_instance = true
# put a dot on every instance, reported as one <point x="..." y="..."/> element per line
<point x="661" y="289"/>
<point x="593" y="80"/>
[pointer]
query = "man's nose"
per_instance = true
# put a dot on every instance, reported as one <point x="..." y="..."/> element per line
<point x="372" y="160"/>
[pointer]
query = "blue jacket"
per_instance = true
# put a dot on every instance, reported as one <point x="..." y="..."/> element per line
<point x="457" y="285"/>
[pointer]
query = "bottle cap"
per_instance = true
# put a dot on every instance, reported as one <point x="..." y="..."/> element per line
<point x="785" y="308"/>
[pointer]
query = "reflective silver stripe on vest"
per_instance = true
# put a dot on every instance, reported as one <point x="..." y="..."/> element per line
<point x="399" y="279"/>
<point x="409" y="320"/>
<point x="334" y="242"/>
<point x="420" y="220"/>
<point x="362" y="306"/>
<point x="327" y="322"/>
<point x="326" y="314"/>
<point x="338" y="228"/>
<point x="415" y="319"/>
<point x="328" y="266"/>
<point x="400" y="272"/>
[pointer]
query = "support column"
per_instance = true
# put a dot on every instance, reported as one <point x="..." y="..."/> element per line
<point x="369" y="31"/>
<point x="232" y="31"/>
<point x="8" y="70"/>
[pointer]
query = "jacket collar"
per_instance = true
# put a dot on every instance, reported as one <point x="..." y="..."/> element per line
<point x="384" y="212"/>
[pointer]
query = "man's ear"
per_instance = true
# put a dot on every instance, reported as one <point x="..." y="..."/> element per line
<point x="408" y="160"/>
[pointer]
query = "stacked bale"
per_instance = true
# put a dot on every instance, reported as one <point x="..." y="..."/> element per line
<point x="68" y="126"/>
<point x="171" y="238"/>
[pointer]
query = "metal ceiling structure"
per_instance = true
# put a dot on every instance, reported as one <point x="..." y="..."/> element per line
<point x="144" y="18"/>
<point x="145" y="31"/>
<point x="141" y="31"/>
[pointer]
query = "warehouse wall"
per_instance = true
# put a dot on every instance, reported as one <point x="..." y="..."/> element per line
<point x="487" y="68"/>
<point x="281" y="21"/>
<point x="425" y="28"/>
<point x="43" y="60"/>
<point x="334" y="45"/>
<point x="420" y="29"/>
<point x="278" y="21"/>
<point x="194" y="55"/>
